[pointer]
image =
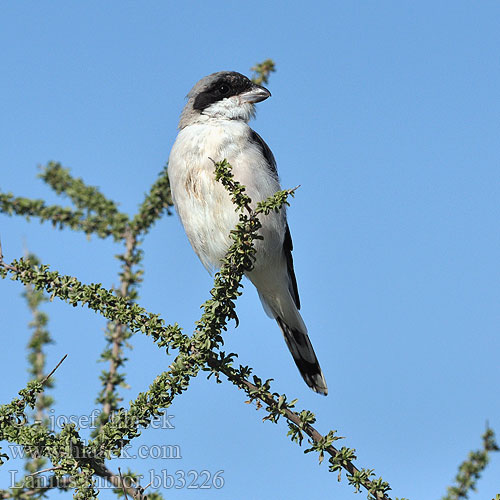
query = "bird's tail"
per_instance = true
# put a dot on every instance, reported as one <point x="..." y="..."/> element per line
<point x="304" y="356"/>
<point x="295" y="332"/>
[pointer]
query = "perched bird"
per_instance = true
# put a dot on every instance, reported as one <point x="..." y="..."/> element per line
<point x="214" y="126"/>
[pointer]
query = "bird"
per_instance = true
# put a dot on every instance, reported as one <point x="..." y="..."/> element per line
<point x="213" y="126"/>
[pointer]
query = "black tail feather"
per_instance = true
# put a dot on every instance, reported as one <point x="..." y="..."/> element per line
<point x="304" y="356"/>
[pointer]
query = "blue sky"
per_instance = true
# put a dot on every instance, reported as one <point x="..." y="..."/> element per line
<point x="387" y="115"/>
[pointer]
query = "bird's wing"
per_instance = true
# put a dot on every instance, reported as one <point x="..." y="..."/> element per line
<point x="266" y="152"/>
<point x="292" y="281"/>
<point x="287" y="243"/>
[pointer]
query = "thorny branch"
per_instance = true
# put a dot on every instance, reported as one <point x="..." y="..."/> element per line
<point x="194" y="351"/>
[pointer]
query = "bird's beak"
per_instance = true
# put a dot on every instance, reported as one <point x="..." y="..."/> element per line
<point x="255" y="94"/>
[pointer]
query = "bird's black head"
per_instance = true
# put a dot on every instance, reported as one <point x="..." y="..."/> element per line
<point x="223" y="95"/>
<point x="220" y="86"/>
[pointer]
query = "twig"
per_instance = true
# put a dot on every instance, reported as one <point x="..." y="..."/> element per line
<point x="2" y="262"/>
<point x="44" y="470"/>
<point x="117" y="331"/>
<point x="52" y="372"/>
<point x="118" y="482"/>
<point x="123" y="484"/>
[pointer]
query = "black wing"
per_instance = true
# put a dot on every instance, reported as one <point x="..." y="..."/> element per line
<point x="266" y="151"/>
<point x="292" y="285"/>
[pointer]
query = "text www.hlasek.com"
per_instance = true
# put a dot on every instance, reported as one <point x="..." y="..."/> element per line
<point x="156" y="451"/>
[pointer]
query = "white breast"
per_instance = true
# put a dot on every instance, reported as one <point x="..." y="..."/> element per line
<point x="204" y="205"/>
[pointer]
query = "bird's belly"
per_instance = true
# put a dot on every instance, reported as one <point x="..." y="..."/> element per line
<point x="204" y="205"/>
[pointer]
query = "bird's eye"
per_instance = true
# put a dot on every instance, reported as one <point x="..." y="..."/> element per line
<point x="224" y="89"/>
